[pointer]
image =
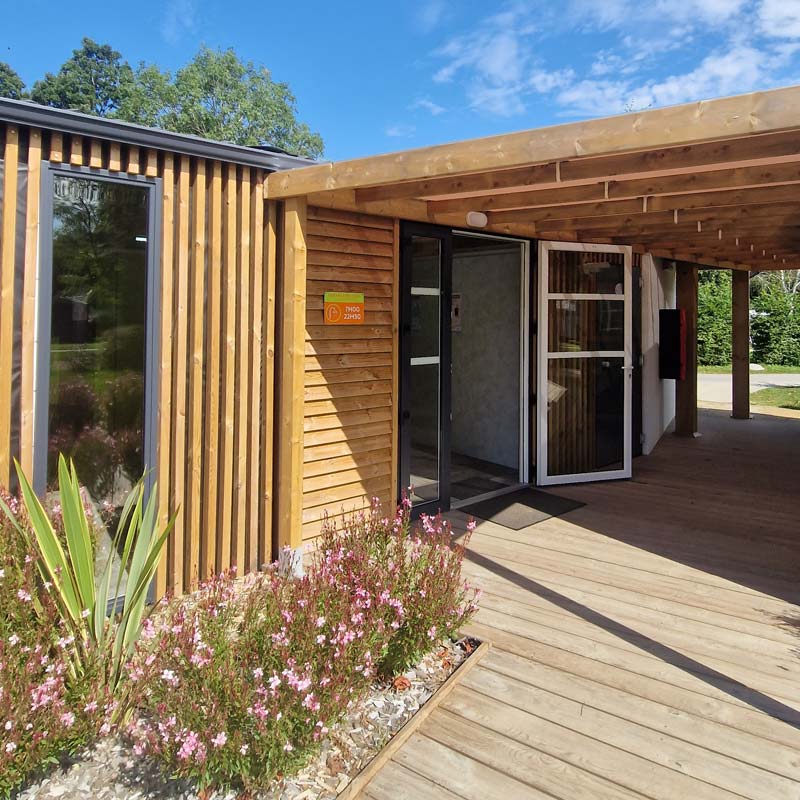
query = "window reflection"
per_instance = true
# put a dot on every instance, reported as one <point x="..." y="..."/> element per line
<point x="97" y="336"/>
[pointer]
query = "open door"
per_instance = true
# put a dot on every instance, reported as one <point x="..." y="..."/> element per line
<point x="585" y="369"/>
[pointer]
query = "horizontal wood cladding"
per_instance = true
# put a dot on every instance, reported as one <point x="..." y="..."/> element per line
<point x="350" y="403"/>
<point x="215" y="365"/>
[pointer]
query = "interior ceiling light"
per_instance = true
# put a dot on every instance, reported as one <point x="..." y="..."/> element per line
<point x="477" y="219"/>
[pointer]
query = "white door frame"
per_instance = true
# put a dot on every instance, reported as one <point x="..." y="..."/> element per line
<point x="544" y="357"/>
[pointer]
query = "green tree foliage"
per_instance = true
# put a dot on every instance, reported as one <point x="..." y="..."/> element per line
<point x="11" y="85"/>
<point x="93" y="80"/>
<point x="775" y="324"/>
<point x="714" y="318"/>
<point x="216" y="95"/>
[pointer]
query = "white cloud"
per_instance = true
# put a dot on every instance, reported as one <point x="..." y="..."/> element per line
<point x="401" y="130"/>
<point x="780" y="18"/>
<point x="180" y="17"/>
<point x="434" y="109"/>
<point x="430" y="15"/>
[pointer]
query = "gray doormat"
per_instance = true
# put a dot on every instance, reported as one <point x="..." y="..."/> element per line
<point x="522" y="508"/>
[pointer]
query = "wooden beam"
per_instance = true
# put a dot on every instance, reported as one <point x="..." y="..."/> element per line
<point x="726" y="118"/>
<point x="26" y="398"/>
<point x="289" y="519"/>
<point x="740" y="297"/>
<point x="686" y="390"/>
<point x="8" y="239"/>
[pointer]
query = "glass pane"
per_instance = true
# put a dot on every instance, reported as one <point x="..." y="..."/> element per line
<point x="586" y="273"/>
<point x="426" y="262"/>
<point x="585" y="415"/>
<point x="425" y="445"/>
<point x="425" y="326"/>
<point x="97" y="337"/>
<point x="586" y="325"/>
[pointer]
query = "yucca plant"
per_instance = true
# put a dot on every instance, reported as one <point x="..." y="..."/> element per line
<point x="89" y="609"/>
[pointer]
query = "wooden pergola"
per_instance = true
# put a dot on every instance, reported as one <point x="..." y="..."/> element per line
<point x="711" y="184"/>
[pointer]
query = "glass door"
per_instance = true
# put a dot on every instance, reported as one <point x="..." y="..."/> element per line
<point x="585" y="368"/>
<point x="425" y="366"/>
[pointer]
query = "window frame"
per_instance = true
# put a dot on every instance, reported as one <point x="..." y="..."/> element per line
<point x="44" y="304"/>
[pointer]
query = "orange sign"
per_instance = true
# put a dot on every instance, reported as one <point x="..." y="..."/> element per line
<point x="344" y="308"/>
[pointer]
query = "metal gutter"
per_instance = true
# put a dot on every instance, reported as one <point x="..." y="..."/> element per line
<point x="24" y="112"/>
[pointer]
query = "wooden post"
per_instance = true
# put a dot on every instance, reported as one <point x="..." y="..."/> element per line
<point x="686" y="390"/>
<point x="740" y="296"/>
<point x="289" y="425"/>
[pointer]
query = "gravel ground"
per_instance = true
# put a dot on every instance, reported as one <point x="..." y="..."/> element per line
<point x="111" y="771"/>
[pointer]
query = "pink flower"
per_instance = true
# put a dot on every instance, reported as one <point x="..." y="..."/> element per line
<point x="24" y="596"/>
<point x="288" y="747"/>
<point x="68" y="719"/>
<point x="220" y="739"/>
<point x="432" y="632"/>
<point x="11" y="747"/>
<point x="243" y="749"/>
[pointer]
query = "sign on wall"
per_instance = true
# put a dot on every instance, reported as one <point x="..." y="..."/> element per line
<point x="344" y="308"/>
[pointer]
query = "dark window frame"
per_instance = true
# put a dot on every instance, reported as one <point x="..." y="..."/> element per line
<point x="44" y="302"/>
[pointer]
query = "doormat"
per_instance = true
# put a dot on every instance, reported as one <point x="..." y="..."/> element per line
<point x="520" y="509"/>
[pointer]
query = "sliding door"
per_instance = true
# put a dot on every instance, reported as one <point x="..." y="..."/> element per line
<point x="425" y="366"/>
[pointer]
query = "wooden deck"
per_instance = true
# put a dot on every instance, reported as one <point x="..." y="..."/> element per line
<point x="645" y="645"/>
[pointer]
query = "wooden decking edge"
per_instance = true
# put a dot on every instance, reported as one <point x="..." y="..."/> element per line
<point x="372" y="767"/>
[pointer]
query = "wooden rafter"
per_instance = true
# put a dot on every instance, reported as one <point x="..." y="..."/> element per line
<point x="719" y="180"/>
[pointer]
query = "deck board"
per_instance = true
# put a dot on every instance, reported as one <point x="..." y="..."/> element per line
<point x="644" y="645"/>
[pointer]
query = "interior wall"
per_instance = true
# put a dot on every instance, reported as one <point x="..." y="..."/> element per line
<point x="658" y="396"/>
<point x="486" y="354"/>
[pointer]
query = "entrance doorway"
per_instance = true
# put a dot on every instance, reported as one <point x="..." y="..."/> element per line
<point x="464" y="375"/>
<point x="585" y="363"/>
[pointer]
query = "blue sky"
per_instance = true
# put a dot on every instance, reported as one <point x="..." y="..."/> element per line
<point x="375" y="77"/>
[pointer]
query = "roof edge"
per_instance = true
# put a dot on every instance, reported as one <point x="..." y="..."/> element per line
<point x="25" y="112"/>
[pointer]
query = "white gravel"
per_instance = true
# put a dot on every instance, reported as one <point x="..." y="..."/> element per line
<point x="110" y="770"/>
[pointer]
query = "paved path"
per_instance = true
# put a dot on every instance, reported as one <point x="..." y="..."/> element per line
<point x="644" y="646"/>
<point x="717" y="388"/>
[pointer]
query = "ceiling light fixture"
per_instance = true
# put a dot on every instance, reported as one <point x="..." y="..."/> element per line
<point x="477" y="219"/>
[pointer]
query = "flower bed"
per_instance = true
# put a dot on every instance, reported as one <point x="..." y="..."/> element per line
<point x="238" y="684"/>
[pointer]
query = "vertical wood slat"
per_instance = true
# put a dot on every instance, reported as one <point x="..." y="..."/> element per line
<point x="29" y="300"/>
<point x="256" y="211"/>
<point x="115" y="157"/>
<point x="165" y="366"/>
<point x="134" y="161"/>
<point x="291" y="376"/>
<point x="740" y="344"/>
<point x="212" y="405"/>
<point x="7" y="270"/>
<point x="95" y="154"/>
<point x="56" y="148"/>
<point x="151" y="164"/>
<point x="76" y="151"/>
<point x="226" y="476"/>
<point x="194" y="498"/>
<point x="241" y="437"/>
<point x="686" y="390"/>
<point x="268" y="416"/>
<point x="179" y="375"/>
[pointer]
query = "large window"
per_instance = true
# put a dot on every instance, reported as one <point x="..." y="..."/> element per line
<point x="98" y="334"/>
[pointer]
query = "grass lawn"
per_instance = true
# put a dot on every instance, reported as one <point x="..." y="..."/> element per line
<point x="782" y="397"/>
<point x="768" y="369"/>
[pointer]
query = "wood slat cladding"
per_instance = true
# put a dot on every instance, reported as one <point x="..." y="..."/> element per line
<point x="215" y="368"/>
<point x="350" y="407"/>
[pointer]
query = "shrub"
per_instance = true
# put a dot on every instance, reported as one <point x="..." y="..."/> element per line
<point x="46" y="709"/>
<point x="74" y="406"/>
<point x="714" y="318"/>
<point x="238" y="683"/>
<point x="775" y="327"/>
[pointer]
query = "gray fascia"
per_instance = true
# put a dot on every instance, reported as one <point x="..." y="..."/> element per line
<point x="24" y="112"/>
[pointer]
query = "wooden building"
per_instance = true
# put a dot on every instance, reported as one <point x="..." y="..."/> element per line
<point x="463" y="319"/>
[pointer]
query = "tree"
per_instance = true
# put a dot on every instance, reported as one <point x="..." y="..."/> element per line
<point x="775" y="325"/>
<point x="11" y="85"/>
<point x="218" y="96"/>
<point x="714" y="318"/>
<point x="94" y="80"/>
